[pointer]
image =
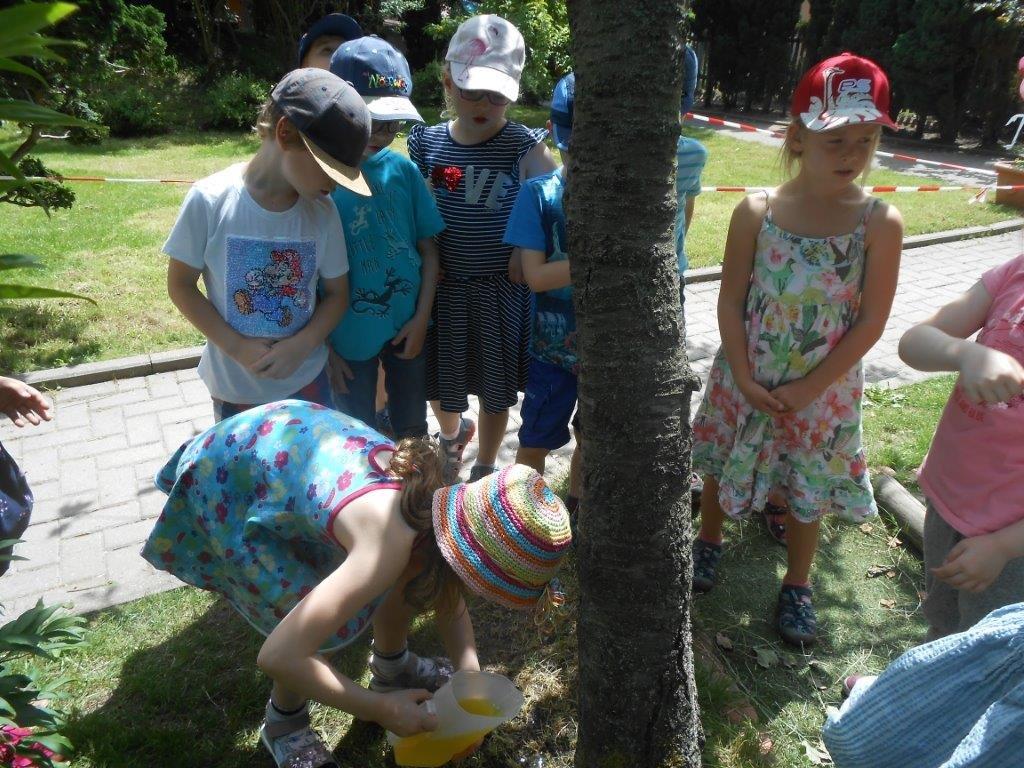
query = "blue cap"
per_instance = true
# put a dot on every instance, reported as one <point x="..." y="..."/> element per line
<point x="380" y="74"/>
<point x="561" y="110"/>
<point x="333" y="24"/>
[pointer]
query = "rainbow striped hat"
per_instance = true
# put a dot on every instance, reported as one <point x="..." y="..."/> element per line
<point x="504" y="535"/>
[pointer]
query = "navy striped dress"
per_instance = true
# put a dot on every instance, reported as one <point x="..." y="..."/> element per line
<point x="479" y="341"/>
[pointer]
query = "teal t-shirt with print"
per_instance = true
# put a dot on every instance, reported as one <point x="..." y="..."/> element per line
<point x="537" y="223"/>
<point x="384" y="266"/>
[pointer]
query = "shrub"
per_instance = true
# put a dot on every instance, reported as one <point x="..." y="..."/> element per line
<point x="233" y="102"/>
<point x="130" y="110"/>
<point x="426" y="84"/>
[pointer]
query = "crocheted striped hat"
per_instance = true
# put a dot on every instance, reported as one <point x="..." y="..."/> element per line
<point x="504" y="535"/>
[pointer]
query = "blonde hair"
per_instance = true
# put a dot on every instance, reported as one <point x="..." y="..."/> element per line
<point x="420" y="465"/>
<point x="266" y="124"/>
<point x="448" y="112"/>
<point x="788" y="157"/>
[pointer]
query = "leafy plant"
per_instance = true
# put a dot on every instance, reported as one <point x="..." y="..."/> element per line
<point x="19" y="36"/>
<point x="233" y="102"/>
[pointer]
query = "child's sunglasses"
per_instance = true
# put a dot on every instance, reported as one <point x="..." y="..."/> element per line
<point x="386" y="126"/>
<point x="495" y="98"/>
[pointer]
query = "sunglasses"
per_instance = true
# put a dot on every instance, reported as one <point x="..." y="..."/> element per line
<point x="386" y="126"/>
<point x="495" y="98"/>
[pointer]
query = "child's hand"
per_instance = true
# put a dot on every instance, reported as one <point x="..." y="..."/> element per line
<point x="796" y="395"/>
<point x="249" y="351"/>
<point x="413" y="333"/>
<point x="973" y="564"/>
<point x="405" y="713"/>
<point x="990" y="376"/>
<point x="283" y="359"/>
<point x="23" y="404"/>
<point x="515" y="267"/>
<point x="339" y="372"/>
<point x="760" y="398"/>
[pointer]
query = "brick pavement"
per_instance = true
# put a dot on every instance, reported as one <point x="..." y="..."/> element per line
<point x="91" y="468"/>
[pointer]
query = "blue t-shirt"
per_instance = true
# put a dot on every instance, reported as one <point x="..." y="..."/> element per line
<point x="690" y="159"/>
<point x="537" y="223"/>
<point x="384" y="265"/>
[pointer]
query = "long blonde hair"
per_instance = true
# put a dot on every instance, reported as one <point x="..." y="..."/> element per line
<point x="420" y="465"/>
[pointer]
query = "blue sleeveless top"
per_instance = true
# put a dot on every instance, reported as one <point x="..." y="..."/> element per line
<point x="251" y="504"/>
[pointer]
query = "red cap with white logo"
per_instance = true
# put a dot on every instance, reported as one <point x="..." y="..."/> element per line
<point x="843" y="90"/>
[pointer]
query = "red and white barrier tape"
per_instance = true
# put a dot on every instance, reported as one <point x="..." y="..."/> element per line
<point x="776" y="134"/>
<point x="101" y="178"/>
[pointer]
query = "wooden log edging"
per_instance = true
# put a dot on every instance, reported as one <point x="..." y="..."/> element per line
<point x="892" y="497"/>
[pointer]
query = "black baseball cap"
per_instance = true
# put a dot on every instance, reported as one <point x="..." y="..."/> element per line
<point x="334" y="24"/>
<point x="332" y="119"/>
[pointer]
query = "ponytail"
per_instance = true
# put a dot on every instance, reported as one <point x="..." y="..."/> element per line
<point x="419" y="464"/>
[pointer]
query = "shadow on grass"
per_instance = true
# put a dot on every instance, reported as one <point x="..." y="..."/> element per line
<point x="36" y="334"/>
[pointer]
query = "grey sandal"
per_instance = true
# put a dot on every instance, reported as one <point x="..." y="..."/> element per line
<point x="293" y="747"/>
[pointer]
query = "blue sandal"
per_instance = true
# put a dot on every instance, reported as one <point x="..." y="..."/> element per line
<point x="795" y="620"/>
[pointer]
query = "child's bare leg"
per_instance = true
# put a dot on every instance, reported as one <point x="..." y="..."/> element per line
<point x="492" y="432"/>
<point x="802" y="544"/>
<point x="448" y="421"/>
<point x="532" y="457"/>
<point x="576" y="472"/>
<point x="712" y="516"/>
<point x="284" y="699"/>
<point x="456" y="631"/>
<point x="382" y="392"/>
<point x="391" y="622"/>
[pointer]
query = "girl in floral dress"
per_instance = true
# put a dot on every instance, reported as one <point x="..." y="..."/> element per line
<point x="807" y="284"/>
<point x="315" y="528"/>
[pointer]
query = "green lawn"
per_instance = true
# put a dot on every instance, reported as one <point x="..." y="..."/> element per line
<point x="108" y="245"/>
<point x="176" y="671"/>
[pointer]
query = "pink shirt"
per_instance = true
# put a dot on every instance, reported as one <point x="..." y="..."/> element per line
<point x="974" y="472"/>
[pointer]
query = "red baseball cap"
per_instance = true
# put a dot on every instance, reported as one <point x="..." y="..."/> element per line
<point x="843" y="90"/>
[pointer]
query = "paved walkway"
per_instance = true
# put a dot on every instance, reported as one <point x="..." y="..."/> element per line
<point x="91" y="468"/>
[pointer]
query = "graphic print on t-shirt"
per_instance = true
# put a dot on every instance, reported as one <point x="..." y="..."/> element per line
<point x="267" y="285"/>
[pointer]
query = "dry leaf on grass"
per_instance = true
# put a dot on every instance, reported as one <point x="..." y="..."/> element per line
<point x="765" y="745"/>
<point x="866" y="528"/>
<point x="887" y="603"/>
<point x="766" y="657"/>
<point x="893" y="542"/>
<point x="817" y="753"/>
<point x="876" y="570"/>
<point x="722" y="641"/>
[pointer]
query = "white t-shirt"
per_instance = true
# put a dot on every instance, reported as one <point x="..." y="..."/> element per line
<point x="260" y="269"/>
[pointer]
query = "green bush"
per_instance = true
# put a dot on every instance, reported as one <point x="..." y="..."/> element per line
<point x="426" y="84"/>
<point x="233" y="102"/>
<point x="129" y="109"/>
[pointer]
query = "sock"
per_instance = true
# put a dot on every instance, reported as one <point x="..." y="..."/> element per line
<point x="452" y="435"/>
<point x="389" y="664"/>
<point x="572" y="503"/>
<point x="276" y="715"/>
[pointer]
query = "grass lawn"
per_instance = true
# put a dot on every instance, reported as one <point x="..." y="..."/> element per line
<point x="108" y="245"/>
<point x="176" y="671"/>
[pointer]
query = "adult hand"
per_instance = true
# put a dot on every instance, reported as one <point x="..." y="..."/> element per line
<point x="339" y="372"/>
<point x="973" y="564"/>
<point x="23" y="404"/>
<point x="761" y="399"/>
<point x="282" y="360"/>
<point x="796" y="395"/>
<point x="413" y="334"/>
<point x="406" y="713"/>
<point x="990" y="376"/>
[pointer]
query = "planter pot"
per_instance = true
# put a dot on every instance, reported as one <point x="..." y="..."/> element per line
<point x="1010" y="175"/>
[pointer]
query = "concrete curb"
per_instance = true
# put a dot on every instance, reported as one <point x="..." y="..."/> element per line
<point x="709" y="274"/>
<point x="118" y="368"/>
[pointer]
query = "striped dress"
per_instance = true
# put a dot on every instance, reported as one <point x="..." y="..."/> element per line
<point x="479" y="341"/>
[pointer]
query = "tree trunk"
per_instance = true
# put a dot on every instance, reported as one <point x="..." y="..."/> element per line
<point x="637" y="699"/>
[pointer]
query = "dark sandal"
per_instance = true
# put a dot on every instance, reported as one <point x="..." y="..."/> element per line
<point x="293" y="747"/>
<point x="775" y="522"/>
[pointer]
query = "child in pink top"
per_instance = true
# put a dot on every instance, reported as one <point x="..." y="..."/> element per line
<point x="973" y="475"/>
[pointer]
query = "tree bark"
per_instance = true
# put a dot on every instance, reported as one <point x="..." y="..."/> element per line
<point x="637" y="699"/>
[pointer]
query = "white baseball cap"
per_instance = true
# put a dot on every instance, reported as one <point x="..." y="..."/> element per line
<point x="487" y="53"/>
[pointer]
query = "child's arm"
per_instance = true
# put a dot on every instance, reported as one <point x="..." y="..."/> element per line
<point x="456" y="630"/>
<point x="414" y="332"/>
<point x="542" y="275"/>
<point x="881" y="271"/>
<point x="974" y="563"/>
<point x="183" y="289"/>
<point x="737" y="265"/>
<point x="288" y="354"/>
<point x="290" y="655"/>
<point x="940" y="344"/>
<point x="537" y="162"/>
